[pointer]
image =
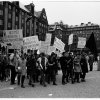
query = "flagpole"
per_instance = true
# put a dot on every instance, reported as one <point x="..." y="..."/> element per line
<point x="81" y="50"/>
<point x="69" y="47"/>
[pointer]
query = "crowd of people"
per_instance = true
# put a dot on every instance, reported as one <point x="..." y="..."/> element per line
<point x="43" y="68"/>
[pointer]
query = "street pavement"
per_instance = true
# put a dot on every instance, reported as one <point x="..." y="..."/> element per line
<point x="88" y="89"/>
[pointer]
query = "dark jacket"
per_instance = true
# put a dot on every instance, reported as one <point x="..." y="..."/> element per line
<point x="52" y="63"/>
<point x="63" y="62"/>
<point x="84" y="65"/>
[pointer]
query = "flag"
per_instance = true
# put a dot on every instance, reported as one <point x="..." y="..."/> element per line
<point x="91" y="44"/>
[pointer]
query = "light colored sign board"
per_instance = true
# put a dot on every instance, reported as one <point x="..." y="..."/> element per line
<point x="43" y="48"/>
<point x="59" y="44"/>
<point x="51" y="49"/>
<point x="59" y="54"/>
<point x="48" y="39"/>
<point x="81" y="42"/>
<point x="14" y="37"/>
<point x="70" y="40"/>
<point x="45" y="44"/>
<point x="31" y="42"/>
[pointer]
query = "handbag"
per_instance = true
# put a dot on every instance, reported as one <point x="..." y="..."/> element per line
<point x="19" y="70"/>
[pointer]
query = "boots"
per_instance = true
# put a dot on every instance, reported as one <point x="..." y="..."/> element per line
<point x="19" y="76"/>
<point x="22" y="81"/>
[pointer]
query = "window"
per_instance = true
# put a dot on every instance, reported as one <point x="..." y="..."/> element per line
<point x="27" y="30"/>
<point x="1" y="12"/>
<point x="9" y="25"/>
<point x="22" y="21"/>
<point x="32" y="24"/>
<point x="10" y="7"/>
<point x="16" y="10"/>
<point x="16" y="27"/>
<point x="28" y="23"/>
<point x="1" y="3"/>
<point x="40" y="24"/>
<point x="1" y="22"/>
<point x="23" y="15"/>
<point x="9" y="16"/>
<point x="16" y="18"/>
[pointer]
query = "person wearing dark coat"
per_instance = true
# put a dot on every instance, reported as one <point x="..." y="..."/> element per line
<point x="84" y="67"/>
<point x="63" y="63"/>
<point x="52" y="66"/>
<point x="70" y="68"/>
<point x="91" y="60"/>
<point x="31" y="66"/>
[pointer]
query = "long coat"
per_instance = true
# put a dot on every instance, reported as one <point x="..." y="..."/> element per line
<point x="22" y="66"/>
<point x="77" y="66"/>
<point x="84" y="65"/>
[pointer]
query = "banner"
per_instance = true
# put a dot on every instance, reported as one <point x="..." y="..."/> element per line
<point x="48" y="39"/>
<point x="13" y="37"/>
<point x="45" y="44"/>
<point x="31" y="42"/>
<point x="59" y="44"/>
<point x="70" y="40"/>
<point x="51" y="49"/>
<point x="81" y="42"/>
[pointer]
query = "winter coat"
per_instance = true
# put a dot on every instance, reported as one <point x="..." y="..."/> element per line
<point x="77" y="66"/>
<point x="63" y="62"/>
<point x="22" y="66"/>
<point x="91" y="59"/>
<point x="84" y="65"/>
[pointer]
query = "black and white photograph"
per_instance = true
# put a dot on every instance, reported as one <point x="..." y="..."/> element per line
<point x="50" y="49"/>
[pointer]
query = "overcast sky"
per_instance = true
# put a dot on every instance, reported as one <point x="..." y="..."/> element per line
<point x="71" y="12"/>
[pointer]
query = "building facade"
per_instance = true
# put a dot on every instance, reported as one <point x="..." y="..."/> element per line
<point x="14" y="15"/>
<point x="83" y="30"/>
<point x="58" y="30"/>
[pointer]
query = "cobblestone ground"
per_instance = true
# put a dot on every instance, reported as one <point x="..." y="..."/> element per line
<point x="88" y="89"/>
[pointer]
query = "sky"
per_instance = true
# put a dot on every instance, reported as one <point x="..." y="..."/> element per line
<point x="71" y="12"/>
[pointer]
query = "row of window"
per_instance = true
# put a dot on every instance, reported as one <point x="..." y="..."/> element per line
<point x="1" y="12"/>
<point x="1" y="22"/>
<point x="42" y="25"/>
<point x="84" y="28"/>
